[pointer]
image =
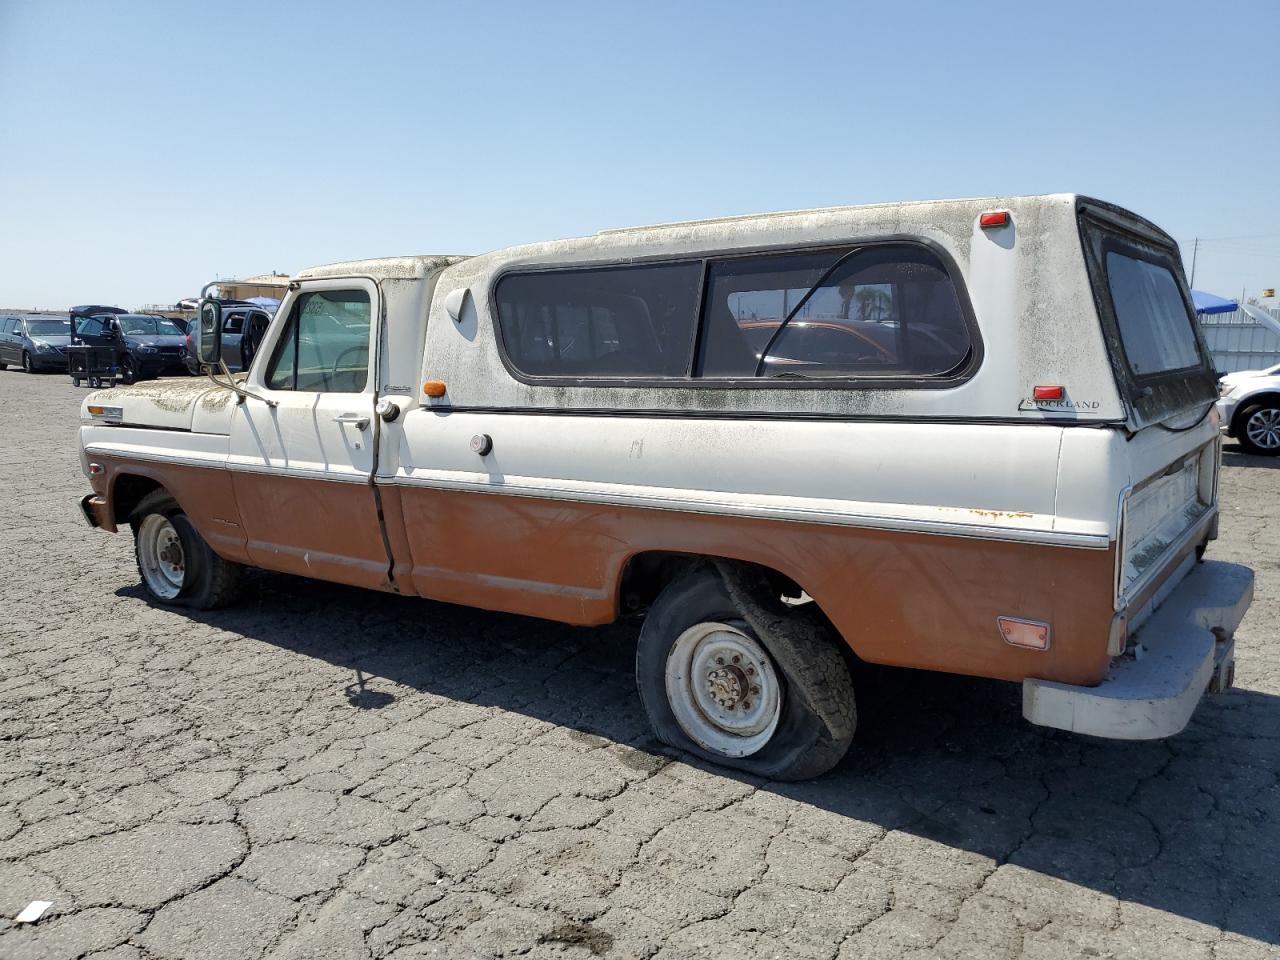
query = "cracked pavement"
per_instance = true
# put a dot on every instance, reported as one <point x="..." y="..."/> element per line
<point x="329" y="773"/>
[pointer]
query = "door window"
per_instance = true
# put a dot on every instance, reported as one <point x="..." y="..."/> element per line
<point x="325" y="345"/>
<point x="91" y="327"/>
<point x="233" y="323"/>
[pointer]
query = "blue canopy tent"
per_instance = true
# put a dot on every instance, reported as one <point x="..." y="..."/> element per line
<point x="1208" y="303"/>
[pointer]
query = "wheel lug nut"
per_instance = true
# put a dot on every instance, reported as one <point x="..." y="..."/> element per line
<point x="751" y="671"/>
<point x="755" y="690"/>
<point x="736" y="658"/>
<point x="720" y="661"/>
<point x="746" y="704"/>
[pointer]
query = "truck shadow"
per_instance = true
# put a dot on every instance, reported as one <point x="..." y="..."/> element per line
<point x="1189" y="826"/>
<point x="1234" y="455"/>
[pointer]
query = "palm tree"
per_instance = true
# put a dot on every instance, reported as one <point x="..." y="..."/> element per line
<point x="873" y="304"/>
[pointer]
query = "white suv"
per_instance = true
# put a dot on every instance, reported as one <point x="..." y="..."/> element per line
<point x="1250" y="409"/>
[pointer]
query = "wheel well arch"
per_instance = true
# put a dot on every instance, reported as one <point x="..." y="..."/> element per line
<point x="127" y="491"/>
<point x="1248" y="403"/>
<point x="645" y="574"/>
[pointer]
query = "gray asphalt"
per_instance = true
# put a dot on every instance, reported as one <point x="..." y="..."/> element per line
<point x="330" y="773"/>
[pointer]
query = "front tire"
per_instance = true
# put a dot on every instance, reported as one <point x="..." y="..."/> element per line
<point x="729" y="674"/>
<point x="128" y="370"/>
<point x="27" y="365"/>
<point x="1259" y="430"/>
<point x="177" y="567"/>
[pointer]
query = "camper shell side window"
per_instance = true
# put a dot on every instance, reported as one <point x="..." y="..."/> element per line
<point x="888" y="313"/>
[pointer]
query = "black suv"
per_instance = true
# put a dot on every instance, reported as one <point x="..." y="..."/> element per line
<point x="146" y="345"/>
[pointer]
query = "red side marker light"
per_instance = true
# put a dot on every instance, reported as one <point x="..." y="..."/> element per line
<point x="1048" y="393"/>
<point x="1031" y="634"/>
<point x="997" y="218"/>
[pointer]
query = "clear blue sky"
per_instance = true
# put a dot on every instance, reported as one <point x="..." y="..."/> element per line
<point x="147" y="147"/>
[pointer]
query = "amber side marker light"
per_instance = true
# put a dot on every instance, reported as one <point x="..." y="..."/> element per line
<point x="1031" y="634"/>
<point x="997" y="218"/>
<point x="433" y="388"/>
<point x="1048" y="393"/>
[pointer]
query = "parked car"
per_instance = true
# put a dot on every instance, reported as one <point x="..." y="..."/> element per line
<point x="34" y="342"/>
<point x="1002" y="461"/>
<point x="1250" y="409"/>
<point x="243" y="325"/>
<point x="146" y="345"/>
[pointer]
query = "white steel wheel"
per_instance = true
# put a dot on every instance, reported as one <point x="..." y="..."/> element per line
<point x="1263" y="428"/>
<point x="723" y="689"/>
<point x="161" y="558"/>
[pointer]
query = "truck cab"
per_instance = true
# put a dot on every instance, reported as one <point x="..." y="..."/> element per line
<point x="971" y="436"/>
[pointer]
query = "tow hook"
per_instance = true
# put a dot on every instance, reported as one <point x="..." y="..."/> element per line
<point x="1224" y="662"/>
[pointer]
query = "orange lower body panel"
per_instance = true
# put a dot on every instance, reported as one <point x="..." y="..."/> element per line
<point x="900" y="598"/>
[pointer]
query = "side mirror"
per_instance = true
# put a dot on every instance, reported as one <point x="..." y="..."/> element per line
<point x="207" y="334"/>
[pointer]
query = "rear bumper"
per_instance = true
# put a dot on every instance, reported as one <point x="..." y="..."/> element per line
<point x="1186" y="650"/>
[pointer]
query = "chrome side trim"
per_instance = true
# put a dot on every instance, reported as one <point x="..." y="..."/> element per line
<point x="691" y="501"/>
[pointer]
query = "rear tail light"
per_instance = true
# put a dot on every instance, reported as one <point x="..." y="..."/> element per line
<point x="996" y="218"/>
<point x="1048" y="393"/>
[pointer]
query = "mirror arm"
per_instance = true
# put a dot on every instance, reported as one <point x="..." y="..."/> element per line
<point x="230" y="384"/>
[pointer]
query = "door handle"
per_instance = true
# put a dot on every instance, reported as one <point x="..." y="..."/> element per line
<point x="360" y="420"/>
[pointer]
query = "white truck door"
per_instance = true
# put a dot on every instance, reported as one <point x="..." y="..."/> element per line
<point x="302" y="469"/>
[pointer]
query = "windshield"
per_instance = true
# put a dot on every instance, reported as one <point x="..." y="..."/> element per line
<point x="48" y="327"/>
<point x="148" y="326"/>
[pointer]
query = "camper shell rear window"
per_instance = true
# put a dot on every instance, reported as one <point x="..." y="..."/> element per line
<point x="1161" y="364"/>
<point x="1155" y="325"/>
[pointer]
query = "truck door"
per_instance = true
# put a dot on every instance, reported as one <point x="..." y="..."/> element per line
<point x="303" y="468"/>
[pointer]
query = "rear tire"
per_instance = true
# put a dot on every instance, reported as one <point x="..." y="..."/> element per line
<point x="706" y="690"/>
<point x="177" y="567"/>
<point x="1259" y="429"/>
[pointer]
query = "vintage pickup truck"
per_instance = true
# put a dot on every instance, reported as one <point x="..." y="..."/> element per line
<point x="970" y="436"/>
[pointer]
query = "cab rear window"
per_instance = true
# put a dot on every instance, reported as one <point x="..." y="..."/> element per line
<point x="1155" y="325"/>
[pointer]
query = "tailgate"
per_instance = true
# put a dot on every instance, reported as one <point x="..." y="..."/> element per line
<point x="1160" y="513"/>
